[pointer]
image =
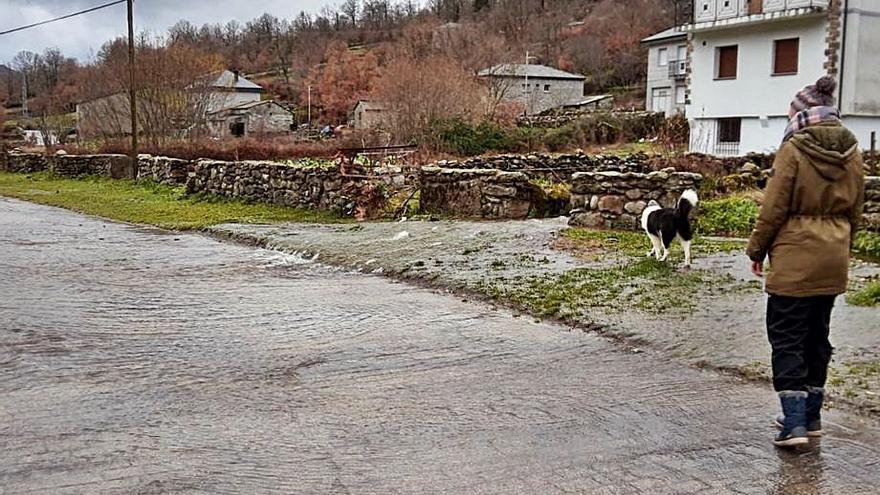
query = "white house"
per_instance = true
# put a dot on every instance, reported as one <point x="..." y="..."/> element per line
<point x="537" y="87"/>
<point x="748" y="58"/>
<point x="667" y="72"/>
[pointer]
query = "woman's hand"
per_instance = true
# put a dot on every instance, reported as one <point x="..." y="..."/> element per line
<point x="758" y="268"/>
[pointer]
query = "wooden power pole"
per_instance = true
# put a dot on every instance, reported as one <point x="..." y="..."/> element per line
<point x="132" y="90"/>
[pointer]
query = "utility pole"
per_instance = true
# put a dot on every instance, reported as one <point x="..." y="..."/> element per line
<point x="526" y="89"/>
<point x="24" y="93"/>
<point x="132" y="90"/>
<point x="310" y="106"/>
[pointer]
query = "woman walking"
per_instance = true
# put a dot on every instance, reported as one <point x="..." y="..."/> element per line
<point x="812" y="207"/>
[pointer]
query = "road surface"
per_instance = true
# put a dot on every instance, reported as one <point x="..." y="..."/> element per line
<point x="140" y="361"/>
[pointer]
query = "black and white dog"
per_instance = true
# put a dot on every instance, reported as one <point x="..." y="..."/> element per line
<point x="665" y="224"/>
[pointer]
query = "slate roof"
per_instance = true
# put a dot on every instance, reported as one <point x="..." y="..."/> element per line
<point x="226" y="80"/>
<point x="670" y="34"/>
<point x="532" y="70"/>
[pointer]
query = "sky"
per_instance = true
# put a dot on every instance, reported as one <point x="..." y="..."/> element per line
<point x="82" y="36"/>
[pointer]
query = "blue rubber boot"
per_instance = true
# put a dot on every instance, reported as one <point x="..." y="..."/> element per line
<point x="794" y="428"/>
<point x="815" y="398"/>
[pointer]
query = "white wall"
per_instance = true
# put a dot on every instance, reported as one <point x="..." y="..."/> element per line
<point x="860" y="85"/>
<point x="766" y="136"/>
<point x="658" y="76"/>
<point x="755" y="92"/>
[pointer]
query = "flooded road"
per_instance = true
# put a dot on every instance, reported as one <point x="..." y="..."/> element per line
<point x="140" y="361"/>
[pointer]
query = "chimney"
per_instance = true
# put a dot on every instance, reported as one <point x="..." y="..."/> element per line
<point x="237" y="74"/>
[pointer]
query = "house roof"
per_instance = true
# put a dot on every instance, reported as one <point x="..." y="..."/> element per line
<point x="531" y="70"/>
<point x="228" y="80"/>
<point x="670" y="34"/>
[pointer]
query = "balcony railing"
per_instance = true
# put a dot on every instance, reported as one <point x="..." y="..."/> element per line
<point x="677" y="69"/>
<point x="707" y="12"/>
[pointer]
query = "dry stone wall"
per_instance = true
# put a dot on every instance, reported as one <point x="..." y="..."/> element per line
<point x="872" y="203"/>
<point x="560" y="167"/>
<point x="483" y="193"/>
<point x="616" y="200"/>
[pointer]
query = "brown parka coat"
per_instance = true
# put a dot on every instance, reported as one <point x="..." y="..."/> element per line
<point x="812" y="208"/>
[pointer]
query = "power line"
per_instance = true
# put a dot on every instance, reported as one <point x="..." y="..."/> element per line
<point x="68" y="16"/>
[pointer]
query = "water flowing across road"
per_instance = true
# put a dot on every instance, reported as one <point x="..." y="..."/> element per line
<point x="135" y="360"/>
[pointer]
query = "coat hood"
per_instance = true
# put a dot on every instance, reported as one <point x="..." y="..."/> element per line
<point x="828" y="147"/>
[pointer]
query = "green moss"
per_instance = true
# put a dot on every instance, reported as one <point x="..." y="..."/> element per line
<point x="733" y="216"/>
<point x="867" y="296"/>
<point x="147" y="202"/>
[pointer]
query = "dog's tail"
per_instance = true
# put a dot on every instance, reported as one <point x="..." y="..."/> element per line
<point x="686" y="203"/>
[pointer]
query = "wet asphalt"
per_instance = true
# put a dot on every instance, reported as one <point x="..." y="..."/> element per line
<point x="135" y="360"/>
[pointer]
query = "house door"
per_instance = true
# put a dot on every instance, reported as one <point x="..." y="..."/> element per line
<point x="236" y="129"/>
<point x="660" y="99"/>
<point x="756" y="7"/>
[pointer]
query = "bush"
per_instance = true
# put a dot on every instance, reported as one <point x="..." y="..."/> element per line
<point x="733" y="216"/>
<point x="280" y="148"/>
<point x="868" y="296"/>
<point x="867" y="244"/>
<point x="465" y="139"/>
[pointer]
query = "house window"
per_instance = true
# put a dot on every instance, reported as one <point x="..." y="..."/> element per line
<point x="729" y="136"/>
<point x="785" y="56"/>
<point x="660" y="100"/>
<point x="682" y="53"/>
<point x="725" y="62"/>
<point x="680" y="95"/>
<point x="662" y="57"/>
<point x="729" y="130"/>
<point x="546" y="88"/>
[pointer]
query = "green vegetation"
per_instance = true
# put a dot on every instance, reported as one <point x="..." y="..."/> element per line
<point x="147" y="202"/>
<point x="645" y="284"/>
<point x="867" y="244"/>
<point x="732" y="216"/>
<point x="635" y="244"/>
<point x="867" y="296"/>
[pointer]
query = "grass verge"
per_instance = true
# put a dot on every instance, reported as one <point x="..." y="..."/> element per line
<point x="866" y="296"/>
<point x="645" y="284"/>
<point x="588" y="244"/>
<point x="147" y="202"/>
<point x="732" y="216"/>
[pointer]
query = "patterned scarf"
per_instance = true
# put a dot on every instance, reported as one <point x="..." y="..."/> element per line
<point x="810" y="116"/>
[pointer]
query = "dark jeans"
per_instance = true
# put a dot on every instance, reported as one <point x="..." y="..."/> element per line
<point x="798" y="330"/>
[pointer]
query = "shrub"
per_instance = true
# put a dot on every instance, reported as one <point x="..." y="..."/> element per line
<point x="465" y="139"/>
<point x="733" y="216"/>
<point x="868" y="296"/>
<point x="867" y="244"/>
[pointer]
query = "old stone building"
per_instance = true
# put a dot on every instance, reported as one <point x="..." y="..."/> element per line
<point x="251" y="118"/>
<point x="537" y="87"/>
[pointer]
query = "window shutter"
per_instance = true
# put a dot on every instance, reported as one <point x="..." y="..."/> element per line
<point x="727" y="56"/>
<point x="785" y="60"/>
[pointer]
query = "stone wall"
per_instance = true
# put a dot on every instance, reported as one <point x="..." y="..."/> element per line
<point x="67" y="165"/>
<point x="872" y="203"/>
<point x="616" y="200"/>
<point x="171" y="171"/>
<point x="483" y="193"/>
<point x="543" y="166"/>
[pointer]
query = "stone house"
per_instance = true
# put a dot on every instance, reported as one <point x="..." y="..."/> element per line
<point x="251" y="118"/>
<point x="110" y="115"/>
<point x="667" y="67"/>
<point x="369" y="115"/>
<point x="537" y="87"/>
<point x="748" y="58"/>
